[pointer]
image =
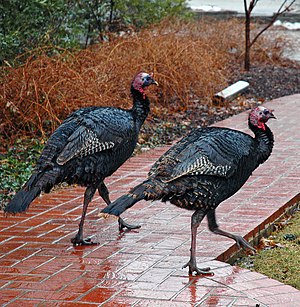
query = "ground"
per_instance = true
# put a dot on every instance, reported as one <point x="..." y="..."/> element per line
<point x="270" y="82"/>
<point x="266" y="83"/>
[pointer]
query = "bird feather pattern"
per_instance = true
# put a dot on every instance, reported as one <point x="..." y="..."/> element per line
<point x="90" y="138"/>
<point x="202" y="170"/>
<point x="204" y="152"/>
<point x="90" y="145"/>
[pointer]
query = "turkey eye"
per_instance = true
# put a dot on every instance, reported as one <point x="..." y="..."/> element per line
<point x="266" y="112"/>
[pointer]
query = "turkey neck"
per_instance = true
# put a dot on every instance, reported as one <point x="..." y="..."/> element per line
<point x="265" y="141"/>
<point x="140" y="109"/>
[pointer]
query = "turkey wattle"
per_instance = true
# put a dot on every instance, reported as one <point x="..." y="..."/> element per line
<point x="90" y="145"/>
<point x="203" y="169"/>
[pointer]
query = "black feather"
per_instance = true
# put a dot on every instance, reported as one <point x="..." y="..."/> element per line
<point x="204" y="168"/>
<point x="90" y="145"/>
<point x="123" y="203"/>
<point x="22" y="200"/>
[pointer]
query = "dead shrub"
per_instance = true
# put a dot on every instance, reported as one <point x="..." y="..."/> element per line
<point x="190" y="60"/>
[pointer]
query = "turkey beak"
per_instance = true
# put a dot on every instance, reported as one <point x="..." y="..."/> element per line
<point x="154" y="82"/>
<point x="271" y="115"/>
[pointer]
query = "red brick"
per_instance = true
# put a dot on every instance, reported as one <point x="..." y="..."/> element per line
<point x="99" y="295"/>
<point x="24" y="302"/>
<point x="38" y="264"/>
<point x="8" y="295"/>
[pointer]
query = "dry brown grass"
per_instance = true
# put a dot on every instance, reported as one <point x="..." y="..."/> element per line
<point x="190" y="60"/>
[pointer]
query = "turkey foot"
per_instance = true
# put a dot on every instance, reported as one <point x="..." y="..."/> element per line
<point x="79" y="241"/>
<point x="241" y="242"/>
<point x="123" y="224"/>
<point x="213" y="226"/>
<point x="103" y="192"/>
<point x="199" y="271"/>
<point x="197" y="217"/>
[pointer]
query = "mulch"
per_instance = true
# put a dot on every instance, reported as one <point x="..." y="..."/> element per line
<point x="265" y="83"/>
<point x="270" y="82"/>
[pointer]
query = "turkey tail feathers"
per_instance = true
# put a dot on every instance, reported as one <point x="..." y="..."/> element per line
<point x="120" y="205"/>
<point x="126" y="201"/>
<point x="22" y="200"/>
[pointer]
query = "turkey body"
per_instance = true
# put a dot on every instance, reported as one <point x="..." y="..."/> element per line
<point x="203" y="169"/>
<point x="206" y="167"/>
<point x="90" y="145"/>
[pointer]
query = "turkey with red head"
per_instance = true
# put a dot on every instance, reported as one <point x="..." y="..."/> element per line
<point x="203" y="169"/>
<point x="90" y="145"/>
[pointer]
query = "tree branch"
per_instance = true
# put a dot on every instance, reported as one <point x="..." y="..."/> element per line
<point x="252" y="5"/>
<point x="275" y="16"/>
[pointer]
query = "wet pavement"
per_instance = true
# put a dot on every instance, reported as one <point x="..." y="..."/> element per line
<point x="262" y="8"/>
<point x="286" y="26"/>
<point x="40" y="267"/>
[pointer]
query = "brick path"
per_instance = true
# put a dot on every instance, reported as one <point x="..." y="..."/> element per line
<point x="39" y="266"/>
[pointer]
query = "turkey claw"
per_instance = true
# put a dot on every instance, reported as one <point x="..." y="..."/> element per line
<point x="123" y="224"/>
<point x="199" y="271"/>
<point x="79" y="241"/>
<point x="241" y="242"/>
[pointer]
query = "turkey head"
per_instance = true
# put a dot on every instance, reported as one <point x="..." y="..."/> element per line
<point x="259" y="116"/>
<point x="141" y="81"/>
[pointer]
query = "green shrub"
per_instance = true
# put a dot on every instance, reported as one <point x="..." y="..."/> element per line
<point x="28" y="24"/>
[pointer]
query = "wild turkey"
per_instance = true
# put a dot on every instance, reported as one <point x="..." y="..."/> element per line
<point x="203" y="169"/>
<point x="90" y="145"/>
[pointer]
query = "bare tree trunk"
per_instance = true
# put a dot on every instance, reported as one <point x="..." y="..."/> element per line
<point x="112" y="4"/>
<point x="248" y="11"/>
<point x="247" y="37"/>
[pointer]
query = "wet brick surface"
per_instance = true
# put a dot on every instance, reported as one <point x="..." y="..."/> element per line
<point x="39" y="266"/>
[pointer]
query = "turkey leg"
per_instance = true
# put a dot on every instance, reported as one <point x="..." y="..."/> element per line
<point x="78" y="239"/>
<point x="197" y="217"/>
<point x="213" y="226"/>
<point x="103" y="192"/>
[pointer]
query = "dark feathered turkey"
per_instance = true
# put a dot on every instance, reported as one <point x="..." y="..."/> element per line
<point x="90" y="145"/>
<point x="203" y="169"/>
